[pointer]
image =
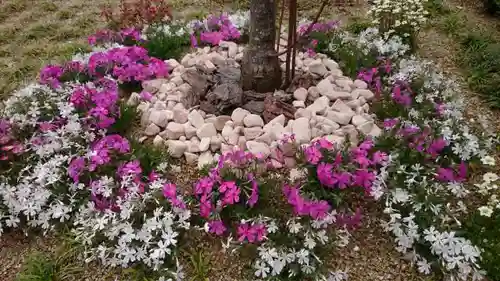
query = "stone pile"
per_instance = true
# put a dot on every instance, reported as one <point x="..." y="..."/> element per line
<point x="335" y="108"/>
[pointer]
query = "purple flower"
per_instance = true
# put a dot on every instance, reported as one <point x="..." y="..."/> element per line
<point x="217" y="227"/>
<point x="324" y="172"/>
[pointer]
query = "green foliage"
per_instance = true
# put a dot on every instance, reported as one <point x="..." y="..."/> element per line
<point x="481" y="57"/>
<point x="358" y="26"/>
<point x="453" y="23"/>
<point x="436" y="8"/>
<point x="167" y="44"/>
<point x="200" y="265"/>
<point x="123" y="124"/>
<point x="148" y="155"/>
<point x="485" y="233"/>
<point x="41" y="267"/>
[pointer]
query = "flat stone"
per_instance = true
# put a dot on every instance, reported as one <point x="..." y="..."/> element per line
<point x="330" y="64"/>
<point x="176" y="148"/>
<point x="161" y="117"/>
<point x="360" y="84"/>
<point x="317" y="67"/>
<point x="216" y="142"/>
<point x="265" y="138"/>
<point x="189" y="130"/>
<point x="301" y="130"/>
<point x="191" y="158"/>
<point x="193" y="145"/>
<point x="180" y="115"/>
<point x="366" y="127"/>
<point x="300" y="94"/>
<point x="206" y="130"/>
<point x="204" y="159"/>
<point x="252" y="132"/>
<point x="367" y="94"/>
<point x="280" y="119"/>
<point x="204" y="144"/>
<point x="152" y="130"/>
<point x="258" y="148"/>
<point x="358" y="120"/>
<point x="238" y="115"/>
<point x="220" y="121"/>
<point x="339" y="117"/>
<point x="313" y="93"/>
<point x="196" y="119"/>
<point x="174" y="130"/>
<point x="158" y="141"/>
<point x="340" y="106"/>
<point x="319" y="105"/>
<point x="298" y="104"/>
<point x="253" y="120"/>
<point x="303" y="112"/>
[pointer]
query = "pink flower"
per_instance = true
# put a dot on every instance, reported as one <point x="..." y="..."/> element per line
<point x="260" y="231"/>
<point x="217" y="227"/>
<point x="313" y="155"/>
<point x="342" y="179"/>
<point x="205" y="206"/>
<point x="245" y="232"/>
<point x="169" y="190"/>
<point x="325" y="174"/>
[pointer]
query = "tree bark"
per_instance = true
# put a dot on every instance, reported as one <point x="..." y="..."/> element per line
<point x="260" y="67"/>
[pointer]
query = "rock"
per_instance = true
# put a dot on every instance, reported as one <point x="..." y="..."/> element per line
<point x="313" y="93"/>
<point x="258" y="148"/>
<point x="290" y="162"/>
<point x="206" y="130"/>
<point x="134" y="99"/>
<point x="375" y="131"/>
<point x="193" y="145"/>
<point x="344" y="83"/>
<point x="242" y="142"/>
<point x="174" y="130"/>
<point x="223" y="99"/>
<point x="208" y="66"/>
<point x="227" y="74"/>
<point x="277" y="104"/>
<point x="276" y="164"/>
<point x="366" y="127"/>
<point x="226" y="131"/>
<point x="280" y="119"/>
<point x="180" y="115"/>
<point x="216" y="58"/>
<point x="317" y="67"/>
<point x="336" y="73"/>
<point x="204" y="144"/>
<point x="339" y="117"/>
<point x="330" y="64"/>
<point x="177" y="80"/>
<point x="367" y="94"/>
<point x="319" y="105"/>
<point x="167" y="88"/>
<point x="253" y="120"/>
<point x="358" y="120"/>
<point x="176" y="148"/>
<point x="365" y="107"/>
<point x="256" y="107"/>
<point x="232" y="48"/>
<point x="199" y="86"/>
<point x="340" y="106"/>
<point x="204" y="159"/>
<point x="172" y="63"/>
<point x="276" y="132"/>
<point x="353" y="104"/>
<point x="216" y="142"/>
<point x="298" y="104"/>
<point x="265" y="138"/>
<point x="161" y="117"/>
<point x="238" y="115"/>
<point x="220" y="121"/>
<point x="152" y="130"/>
<point x="252" y="133"/>
<point x="303" y="112"/>
<point x="325" y="87"/>
<point x="301" y="130"/>
<point x="196" y="119"/>
<point x="191" y="158"/>
<point x="160" y="105"/>
<point x="360" y="84"/>
<point x="154" y="85"/>
<point x="300" y="94"/>
<point x="189" y="130"/>
<point x="336" y="140"/>
<point x="158" y="141"/>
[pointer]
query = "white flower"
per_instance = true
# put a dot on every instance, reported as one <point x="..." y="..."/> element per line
<point x="485" y="211"/>
<point x="490" y="177"/>
<point x="262" y="269"/>
<point x="423" y="266"/>
<point x="488" y="160"/>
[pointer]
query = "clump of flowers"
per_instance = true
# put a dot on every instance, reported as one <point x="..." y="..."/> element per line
<point x="9" y="145"/>
<point x="137" y="13"/>
<point x="127" y="36"/>
<point x="213" y="30"/>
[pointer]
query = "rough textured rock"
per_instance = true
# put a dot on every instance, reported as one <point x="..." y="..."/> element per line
<point x="301" y="130"/>
<point x="319" y="105"/>
<point x="367" y="94"/>
<point x="223" y="99"/>
<point x="256" y="107"/>
<point x="275" y="106"/>
<point x="161" y="117"/>
<point x="317" y="67"/>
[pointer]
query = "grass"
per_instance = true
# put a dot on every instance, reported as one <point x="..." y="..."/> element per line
<point x="34" y="33"/>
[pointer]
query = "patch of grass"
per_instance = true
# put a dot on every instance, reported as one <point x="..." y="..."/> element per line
<point x="61" y="267"/>
<point x="42" y="30"/>
<point x="200" y="265"/>
<point x="164" y="46"/>
<point x="453" y="24"/>
<point x="480" y="56"/>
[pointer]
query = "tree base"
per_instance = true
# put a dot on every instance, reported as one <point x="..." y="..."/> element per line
<point x="260" y="70"/>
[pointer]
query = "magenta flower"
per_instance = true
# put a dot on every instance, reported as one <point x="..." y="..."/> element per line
<point x="254" y="196"/>
<point x="342" y="179"/>
<point x="169" y="190"/>
<point x="260" y="231"/>
<point x="76" y="168"/>
<point x="364" y="179"/>
<point x="390" y="123"/>
<point x="324" y="172"/>
<point x="313" y="155"/>
<point x="147" y="96"/>
<point x="245" y="232"/>
<point x="205" y="206"/>
<point x="217" y="227"/>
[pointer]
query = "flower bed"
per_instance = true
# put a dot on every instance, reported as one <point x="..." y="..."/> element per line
<point x="63" y="160"/>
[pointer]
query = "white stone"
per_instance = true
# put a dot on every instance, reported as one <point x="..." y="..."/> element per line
<point x="367" y="94"/>
<point x="174" y="130"/>
<point x="226" y="131"/>
<point x="339" y="117"/>
<point x="358" y="120"/>
<point x="300" y="94"/>
<point x="353" y="104"/>
<point x="216" y="142"/>
<point x="167" y="88"/>
<point x="134" y="99"/>
<point x="375" y="131"/>
<point x="209" y="66"/>
<point x="172" y="63"/>
<point x="220" y="121"/>
<point x="366" y="107"/>
<point x="206" y="130"/>
<point x="317" y="67"/>
<point x="161" y="117"/>
<point x="303" y="112"/>
<point x="189" y="130"/>
<point x="253" y="120"/>
<point x="301" y="130"/>
<point x="191" y="158"/>
<point x="280" y="119"/>
<point x="204" y="159"/>
<point x="238" y="115"/>
<point x="252" y="132"/>
<point x="152" y="130"/>
<point x="366" y="127"/>
<point x="336" y="140"/>
<point x="177" y="80"/>
<point x="158" y="141"/>
<point x="340" y="106"/>
<point x="180" y="115"/>
<point x="231" y="46"/>
<point x="319" y="105"/>
<point x="176" y="148"/>
<point x="360" y="84"/>
<point x="265" y="138"/>
<point x="336" y="73"/>
<point x="276" y="132"/>
<point x="196" y="119"/>
<point x="345" y="83"/>
<point x="313" y="93"/>
<point x="193" y="145"/>
<point x="204" y="144"/>
<point x="330" y="64"/>
<point x="298" y="104"/>
<point x="258" y="148"/>
<point x="242" y="142"/>
<point x="325" y="87"/>
<point x="216" y="58"/>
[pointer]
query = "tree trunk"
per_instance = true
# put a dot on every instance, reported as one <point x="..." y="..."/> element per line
<point x="260" y="67"/>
